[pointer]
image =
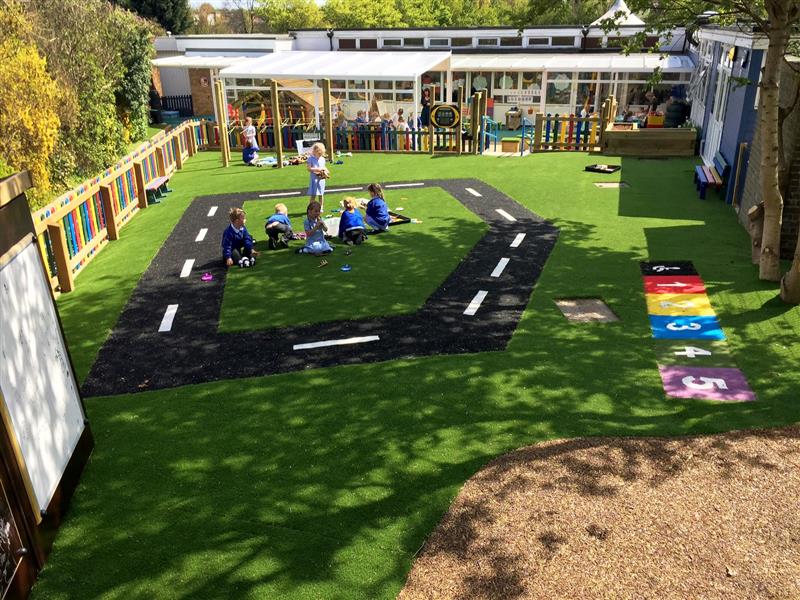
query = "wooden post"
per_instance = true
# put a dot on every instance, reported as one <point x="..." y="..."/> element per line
<point x="59" y="243"/>
<point x="108" y="209"/>
<point x="176" y="151"/>
<point x="276" y="122"/>
<point x="474" y="120"/>
<point x="459" y="137"/>
<point x="192" y="141"/>
<point x="161" y="166"/>
<point x="431" y="140"/>
<point x="138" y="178"/>
<point x="538" y="132"/>
<point x="326" y="107"/>
<point x="223" y="125"/>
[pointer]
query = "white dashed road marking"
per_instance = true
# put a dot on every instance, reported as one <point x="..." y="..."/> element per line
<point x="353" y="189"/>
<point x="280" y="194"/>
<point x="187" y="267"/>
<point x="473" y="192"/>
<point x="476" y="303"/>
<point x="202" y="235"/>
<point x="169" y="317"/>
<point x="339" y="342"/>
<point x="518" y="240"/>
<point x="212" y="211"/>
<point x="504" y="214"/>
<point x="501" y="265"/>
<point x="394" y="185"/>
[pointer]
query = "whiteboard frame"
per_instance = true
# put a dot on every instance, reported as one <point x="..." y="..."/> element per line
<point x="38" y="511"/>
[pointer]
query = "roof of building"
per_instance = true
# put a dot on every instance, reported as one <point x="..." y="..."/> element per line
<point x="198" y="62"/>
<point x="632" y="63"/>
<point x="374" y="65"/>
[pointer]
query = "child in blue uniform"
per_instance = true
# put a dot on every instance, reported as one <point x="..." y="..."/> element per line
<point x="237" y="243"/>
<point x="279" y="228"/>
<point x="315" y="228"/>
<point x="377" y="212"/>
<point x="351" y="225"/>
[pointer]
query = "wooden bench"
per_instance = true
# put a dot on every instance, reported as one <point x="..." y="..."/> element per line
<point x="713" y="176"/>
<point x="156" y="188"/>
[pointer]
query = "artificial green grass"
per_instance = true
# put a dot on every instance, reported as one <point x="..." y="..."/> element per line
<point x="324" y="483"/>
<point x="392" y="273"/>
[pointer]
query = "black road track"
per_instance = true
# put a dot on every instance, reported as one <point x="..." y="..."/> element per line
<point x="137" y="356"/>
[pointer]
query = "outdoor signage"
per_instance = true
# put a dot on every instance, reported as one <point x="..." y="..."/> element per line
<point x="445" y="116"/>
<point x="529" y="97"/>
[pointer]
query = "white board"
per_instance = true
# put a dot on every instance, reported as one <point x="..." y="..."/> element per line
<point x="36" y="379"/>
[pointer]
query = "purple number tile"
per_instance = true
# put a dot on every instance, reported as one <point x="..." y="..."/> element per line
<point x="725" y="384"/>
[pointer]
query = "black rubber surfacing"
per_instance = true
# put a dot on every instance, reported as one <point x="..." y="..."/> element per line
<point x="137" y="357"/>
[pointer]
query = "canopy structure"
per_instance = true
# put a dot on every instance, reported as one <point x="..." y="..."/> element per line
<point x="375" y="66"/>
<point x="197" y="62"/>
<point x="627" y="19"/>
<point x="573" y="62"/>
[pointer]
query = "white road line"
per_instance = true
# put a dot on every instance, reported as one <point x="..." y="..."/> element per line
<point x="212" y="211"/>
<point x="353" y="189"/>
<point x="517" y="240"/>
<point x="473" y="192"/>
<point x="280" y="194"/>
<point x="187" y="267"/>
<point x="394" y="185"/>
<point x="503" y="213"/>
<point x="501" y="265"/>
<point x="339" y="342"/>
<point x="202" y="235"/>
<point x="476" y="303"/>
<point x="169" y="316"/>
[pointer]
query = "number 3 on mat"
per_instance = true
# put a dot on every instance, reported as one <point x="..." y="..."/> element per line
<point x="689" y="327"/>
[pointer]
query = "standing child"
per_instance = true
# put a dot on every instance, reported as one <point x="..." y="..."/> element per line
<point x="279" y="228"/>
<point x="351" y="225"/>
<point x="318" y="174"/>
<point x="237" y="243"/>
<point x="377" y="212"/>
<point x="249" y="134"/>
<point x="315" y="228"/>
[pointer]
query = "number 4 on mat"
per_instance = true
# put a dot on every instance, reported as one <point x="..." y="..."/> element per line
<point x="692" y="351"/>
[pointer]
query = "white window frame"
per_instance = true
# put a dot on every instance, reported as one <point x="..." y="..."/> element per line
<point x="431" y="43"/>
<point x="495" y="42"/>
<point x="399" y="43"/>
<point x="529" y="40"/>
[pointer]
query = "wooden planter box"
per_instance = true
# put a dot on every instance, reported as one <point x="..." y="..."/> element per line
<point x="510" y="144"/>
<point x="649" y="142"/>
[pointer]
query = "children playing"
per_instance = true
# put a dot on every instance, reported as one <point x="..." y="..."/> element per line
<point x="237" y="243"/>
<point x="250" y="150"/>
<point x="279" y="228"/>
<point x="315" y="229"/>
<point x="377" y="212"/>
<point x="318" y="174"/>
<point x="351" y="224"/>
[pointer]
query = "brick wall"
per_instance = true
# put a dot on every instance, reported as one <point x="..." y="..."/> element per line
<point x="202" y="100"/>
<point x="751" y="194"/>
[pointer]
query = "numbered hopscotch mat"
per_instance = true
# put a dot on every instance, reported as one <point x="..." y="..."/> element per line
<point x="679" y="305"/>
<point x="693" y="357"/>
<point x="686" y="328"/>
<point x="708" y="383"/>
<point x="679" y="267"/>
<point x="698" y="353"/>
<point x="586" y="310"/>
<point x="674" y="284"/>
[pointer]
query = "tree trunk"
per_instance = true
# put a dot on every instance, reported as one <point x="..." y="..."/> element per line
<point x="755" y="217"/>
<point x="790" y="284"/>
<point x="769" y="261"/>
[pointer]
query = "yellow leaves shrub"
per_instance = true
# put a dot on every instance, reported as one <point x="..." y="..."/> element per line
<point x="28" y="120"/>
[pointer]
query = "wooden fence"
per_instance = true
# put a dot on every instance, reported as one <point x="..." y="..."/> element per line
<point x="74" y="227"/>
<point x="183" y="104"/>
<point x="566" y="132"/>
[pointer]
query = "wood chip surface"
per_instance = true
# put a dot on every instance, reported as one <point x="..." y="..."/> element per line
<point x="706" y="517"/>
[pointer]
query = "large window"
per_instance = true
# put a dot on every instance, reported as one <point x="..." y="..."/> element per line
<point x="559" y="88"/>
<point x="508" y="42"/>
<point x="392" y="43"/>
<point x="563" y="41"/>
<point x="439" y="42"/>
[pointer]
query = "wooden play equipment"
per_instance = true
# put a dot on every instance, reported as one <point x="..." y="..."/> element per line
<point x="75" y="226"/>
